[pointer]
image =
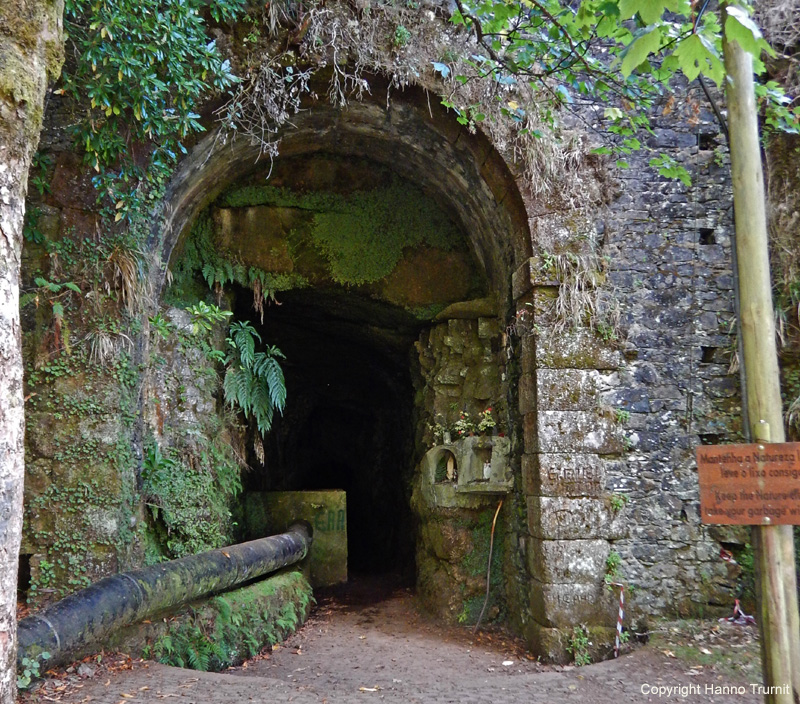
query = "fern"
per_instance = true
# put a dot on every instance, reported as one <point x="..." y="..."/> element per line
<point x="254" y="381"/>
<point x="224" y="609"/>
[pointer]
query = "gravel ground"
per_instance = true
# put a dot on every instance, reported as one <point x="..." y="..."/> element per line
<point x="370" y="644"/>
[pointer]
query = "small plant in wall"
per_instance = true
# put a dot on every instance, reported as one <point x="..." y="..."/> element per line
<point x="622" y="416"/>
<point x="618" y="502"/>
<point x="254" y="380"/>
<point x="205" y="316"/>
<point x="578" y="646"/>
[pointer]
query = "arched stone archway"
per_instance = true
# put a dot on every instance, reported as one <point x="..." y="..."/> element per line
<point x="413" y="135"/>
<point x="460" y="356"/>
<point x="590" y="418"/>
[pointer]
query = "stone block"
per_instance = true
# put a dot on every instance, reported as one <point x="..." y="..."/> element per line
<point x="527" y="276"/>
<point x="565" y="605"/>
<point x="567" y="389"/>
<point x="495" y="174"/>
<point x="528" y="354"/>
<point x="577" y="350"/>
<point x="417" y="279"/>
<point x="568" y="561"/>
<point x="256" y="236"/>
<point x="550" y="644"/>
<point x="562" y="518"/>
<point x="527" y="393"/>
<point x="543" y="308"/>
<point x="488" y="328"/>
<point x="452" y="375"/>
<point x="483" y="382"/>
<point x="572" y="431"/>
<point x="563" y="474"/>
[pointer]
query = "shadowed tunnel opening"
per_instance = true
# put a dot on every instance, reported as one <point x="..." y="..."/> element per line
<point x="352" y="414"/>
<point x="349" y="417"/>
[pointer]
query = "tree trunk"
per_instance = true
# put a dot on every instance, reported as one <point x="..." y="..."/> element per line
<point x="30" y="54"/>
<point x="775" y="574"/>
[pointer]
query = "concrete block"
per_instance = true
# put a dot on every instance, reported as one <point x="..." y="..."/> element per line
<point x="577" y="350"/>
<point x="573" y="431"/>
<point x="560" y="518"/>
<point x="268" y="513"/>
<point x="566" y="605"/>
<point x="568" y="389"/>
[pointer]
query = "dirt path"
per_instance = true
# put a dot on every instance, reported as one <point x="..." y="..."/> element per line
<point x="372" y="645"/>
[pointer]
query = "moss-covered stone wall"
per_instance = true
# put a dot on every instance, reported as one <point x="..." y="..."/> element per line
<point x="461" y="380"/>
<point x="331" y="225"/>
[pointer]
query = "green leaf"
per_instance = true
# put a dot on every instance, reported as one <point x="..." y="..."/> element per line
<point x="695" y="56"/>
<point x="637" y="52"/>
<point x="739" y="27"/>
<point x="649" y="10"/>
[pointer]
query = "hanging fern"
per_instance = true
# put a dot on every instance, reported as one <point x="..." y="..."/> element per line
<point x="254" y="380"/>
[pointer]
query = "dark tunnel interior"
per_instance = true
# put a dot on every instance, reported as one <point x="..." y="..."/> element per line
<point x="348" y="421"/>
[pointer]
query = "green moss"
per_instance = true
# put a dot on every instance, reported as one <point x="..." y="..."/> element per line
<point x="428" y="312"/>
<point x="229" y="628"/>
<point x="475" y="565"/>
<point x="202" y="257"/>
<point x="245" y="196"/>
<point x="189" y="492"/>
<point x="471" y="610"/>
<point x="362" y="235"/>
<point x="78" y="523"/>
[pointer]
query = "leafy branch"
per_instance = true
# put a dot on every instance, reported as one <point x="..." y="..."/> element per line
<point x="144" y="66"/>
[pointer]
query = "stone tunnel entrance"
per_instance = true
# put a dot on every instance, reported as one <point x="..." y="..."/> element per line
<point x="346" y="267"/>
<point x="378" y="249"/>
<point x="348" y="422"/>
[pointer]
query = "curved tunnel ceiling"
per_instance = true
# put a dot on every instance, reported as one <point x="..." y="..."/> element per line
<point x="414" y="137"/>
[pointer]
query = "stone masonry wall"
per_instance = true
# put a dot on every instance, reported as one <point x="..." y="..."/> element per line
<point x="460" y="371"/>
<point x="612" y="416"/>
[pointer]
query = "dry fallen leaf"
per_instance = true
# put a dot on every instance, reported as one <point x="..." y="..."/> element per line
<point x="669" y="653"/>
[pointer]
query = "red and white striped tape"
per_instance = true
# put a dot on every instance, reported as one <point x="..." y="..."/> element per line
<point x="740" y="618"/>
<point x="620" y="617"/>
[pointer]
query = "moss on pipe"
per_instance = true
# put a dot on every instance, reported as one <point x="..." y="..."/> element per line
<point x="120" y="600"/>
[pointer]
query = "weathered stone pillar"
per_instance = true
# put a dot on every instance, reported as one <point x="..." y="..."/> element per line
<point x="568" y="437"/>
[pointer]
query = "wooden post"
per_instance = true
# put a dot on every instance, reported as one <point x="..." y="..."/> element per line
<point x="779" y="619"/>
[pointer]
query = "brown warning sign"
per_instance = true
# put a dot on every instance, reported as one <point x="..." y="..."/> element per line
<point x="756" y="484"/>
